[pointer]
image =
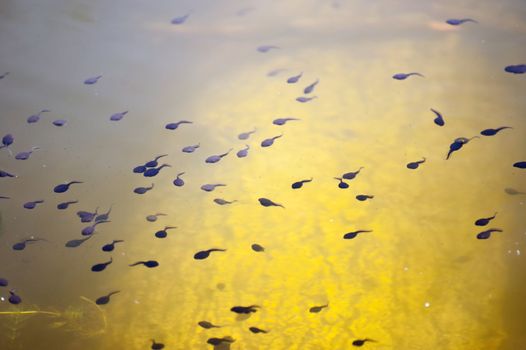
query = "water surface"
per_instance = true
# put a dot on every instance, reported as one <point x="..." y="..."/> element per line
<point x="420" y="280"/>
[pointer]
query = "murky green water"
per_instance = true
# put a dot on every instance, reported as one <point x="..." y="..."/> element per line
<point x="420" y="280"/>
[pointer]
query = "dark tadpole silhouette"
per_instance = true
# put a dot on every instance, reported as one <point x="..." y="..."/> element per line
<point x="148" y="263"/>
<point x="351" y="235"/>
<point x="439" y="120"/>
<point x="459" y="21"/>
<point x="221" y="201"/>
<point x="520" y="165"/>
<point x="245" y="309"/>
<point x="294" y="79"/>
<point x="64" y="187"/>
<point x="298" y="184"/>
<point x="6" y="174"/>
<point x="36" y="117"/>
<point x="266" y="48"/>
<point x="304" y="99"/>
<point x="111" y="246"/>
<point x="153" y="217"/>
<point x="191" y="149"/>
<point x="308" y="89"/>
<point x="364" y="197"/>
<point x="257" y="248"/>
<point x="14" y="298"/>
<point x="4" y="75"/>
<point x="485" y="221"/>
<point x="22" y="244"/>
<point x="103" y="300"/>
<point x="156" y="346"/>
<point x="211" y="187"/>
<point x="257" y="330"/>
<point x="178" y="181"/>
<point x="59" y="122"/>
<point x="352" y="174"/>
<point x="457" y="145"/>
<point x="242" y="153"/>
<point x="342" y="184"/>
<point x="268" y="203"/>
<point x="74" y="243"/>
<point x="219" y="341"/>
<point x="316" y="309"/>
<point x="180" y="19"/>
<point x="217" y="157"/>
<point x="491" y="132"/>
<point x="7" y="140"/>
<point x="512" y="191"/>
<point x="65" y="205"/>
<point x="118" y="116"/>
<point x="207" y="325"/>
<point x="105" y="216"/>
<point x="246" y="135"/>
<point x="173" y="126"/>
<point x="283" y="121"/>
<point x="516" y="69"/>
<point x="92" y="80"/>
<point x="415" y="165"/>
<point x="203" y="254"/>
<point x="162" y="233"/>
<point x="33" y="204"/>
<point x="102" y="266"/>
<point x="4" y="282"/>
<point x="361" y="342"/>
<point x="139" y="169"/>
<point x="153" y="163"/>
<point x="142" y="190"/>
<point x="26" y="154"/>
<point x="86" y="216"/>
<point x="154" y="171"/>
<point x="403" y="76"/>
<point x="88" y="230"/>
<point x="487" y="234"/>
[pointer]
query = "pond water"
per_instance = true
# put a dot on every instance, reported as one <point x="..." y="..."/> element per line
<point x="420" y="279"/>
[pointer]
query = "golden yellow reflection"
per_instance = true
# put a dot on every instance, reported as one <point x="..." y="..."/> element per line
<point x="419" y="280"/>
